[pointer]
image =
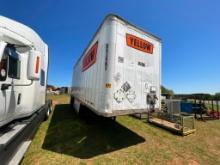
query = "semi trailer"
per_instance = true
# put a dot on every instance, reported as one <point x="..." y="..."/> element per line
<point x="119" y="72"/>
<point x="23" y="80"/>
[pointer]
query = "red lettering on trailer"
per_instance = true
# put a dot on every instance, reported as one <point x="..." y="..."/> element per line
<point x="90" y="57"/>
<point x="139" y="43"/>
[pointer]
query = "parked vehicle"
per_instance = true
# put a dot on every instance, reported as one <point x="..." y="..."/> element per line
<point x="119" y="72"/>
<point x="23" y="80"/>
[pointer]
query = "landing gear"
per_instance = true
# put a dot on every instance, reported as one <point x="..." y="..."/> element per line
<point x="151" y="101"/>
<point x="79" y="109"/>
<point x="75" y="105"/>
<point x="72" y="102"/>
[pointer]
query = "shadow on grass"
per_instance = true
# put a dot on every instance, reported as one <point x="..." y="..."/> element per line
<point x="87" y="137"/>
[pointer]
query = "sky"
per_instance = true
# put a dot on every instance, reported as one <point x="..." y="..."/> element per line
<point x="190" y="33"/>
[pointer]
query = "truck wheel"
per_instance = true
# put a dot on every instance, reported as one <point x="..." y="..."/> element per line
<point x="49" y="110"/>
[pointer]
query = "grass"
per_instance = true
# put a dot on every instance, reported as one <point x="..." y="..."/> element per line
<point x="67" y="139"/>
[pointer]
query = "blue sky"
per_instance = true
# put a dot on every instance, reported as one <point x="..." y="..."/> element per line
<point x="190" y="33"/>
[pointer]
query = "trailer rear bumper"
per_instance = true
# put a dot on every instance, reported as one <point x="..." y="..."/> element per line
<point x="121" y="112"/>
<point x="113" y="113"/>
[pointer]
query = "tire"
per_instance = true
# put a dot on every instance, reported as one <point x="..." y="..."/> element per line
<point x="47" y="114"/>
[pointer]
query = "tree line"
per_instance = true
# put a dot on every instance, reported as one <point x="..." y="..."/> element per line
<point x="202" y="96"/>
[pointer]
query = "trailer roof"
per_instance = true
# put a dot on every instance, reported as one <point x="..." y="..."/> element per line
<point x="17" y="33"/>
<point x="109" y="16"/>
<point x="140" y="29"/>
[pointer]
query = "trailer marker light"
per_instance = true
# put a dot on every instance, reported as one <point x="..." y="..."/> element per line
<point x="108" y="85"/>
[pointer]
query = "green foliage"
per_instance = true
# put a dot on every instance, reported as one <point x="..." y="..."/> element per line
<point x="217" y="96"/>
<point x="166" y="91"/>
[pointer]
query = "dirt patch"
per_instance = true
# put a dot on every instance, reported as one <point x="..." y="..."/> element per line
<point x="176" y="161"/>
<point x="193" y="162"/>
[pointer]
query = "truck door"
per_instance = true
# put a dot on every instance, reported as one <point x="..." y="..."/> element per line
<point x="9" y="94"/>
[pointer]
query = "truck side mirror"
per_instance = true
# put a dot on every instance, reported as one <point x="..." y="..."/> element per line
<point x="2" y="48"/>
<point x="34" y="65"/>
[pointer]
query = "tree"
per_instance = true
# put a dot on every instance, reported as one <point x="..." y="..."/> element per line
<point x="217" y="96"/>
<point x="166" y="91"/>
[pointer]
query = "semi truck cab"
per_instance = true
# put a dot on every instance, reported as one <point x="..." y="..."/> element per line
<point x="13" y="81"/>
<point x="23" y="80"/>
<point x="23" y="71"/>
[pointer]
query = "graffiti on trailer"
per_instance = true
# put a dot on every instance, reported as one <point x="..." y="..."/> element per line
<point x="125" y="92"/>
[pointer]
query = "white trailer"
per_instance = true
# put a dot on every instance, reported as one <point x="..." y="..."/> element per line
<point x="119" y="72"/>
<point x="23" y="80"/>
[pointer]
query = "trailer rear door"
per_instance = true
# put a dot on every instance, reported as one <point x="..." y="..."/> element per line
<point x="134" y="69"/>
